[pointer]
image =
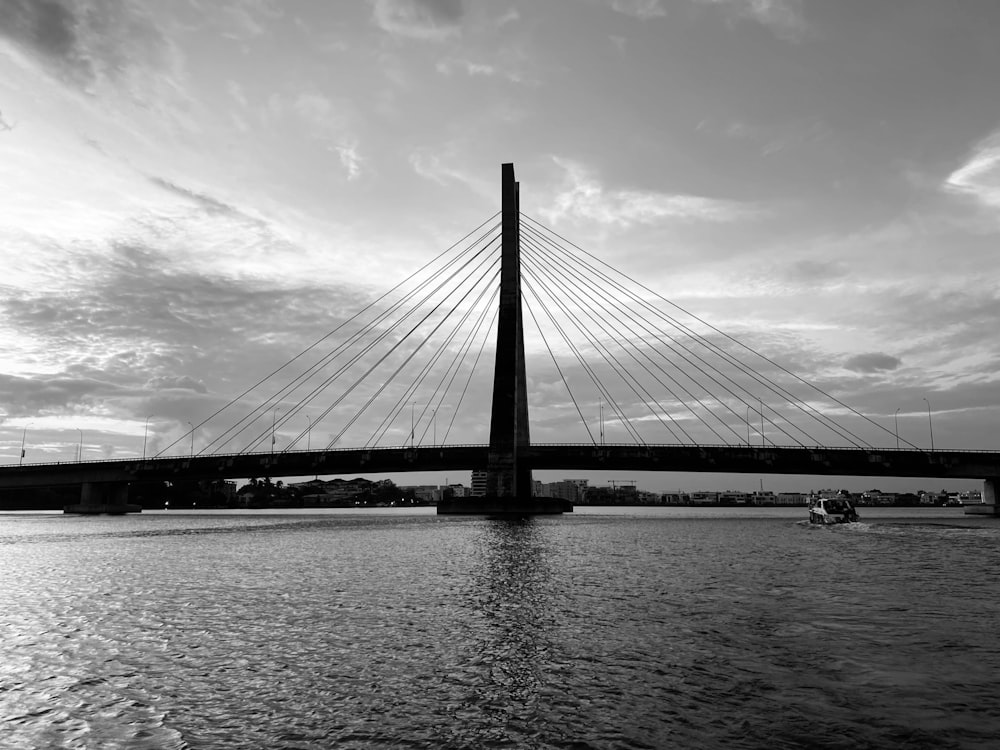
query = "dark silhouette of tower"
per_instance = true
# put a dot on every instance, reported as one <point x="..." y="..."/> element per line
<point x="507" y="476"/>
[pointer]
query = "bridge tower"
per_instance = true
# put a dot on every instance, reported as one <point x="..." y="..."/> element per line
<point x="506" y="476"/>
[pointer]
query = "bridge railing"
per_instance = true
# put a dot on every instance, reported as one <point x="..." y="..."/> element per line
<point x="179" y="456"/>
<point x="763" y="447"/>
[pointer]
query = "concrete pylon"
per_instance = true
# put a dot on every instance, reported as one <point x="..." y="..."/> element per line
<point x="506" y="476"/>
<point x="103" y="497"/>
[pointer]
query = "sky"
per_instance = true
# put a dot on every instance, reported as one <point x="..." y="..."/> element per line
<point x="195" y="190"/>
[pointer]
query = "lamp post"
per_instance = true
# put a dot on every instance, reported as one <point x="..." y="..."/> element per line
<point x="761" y="422"/>
<point x="79" y="449"/>
<point x="600" y="401"/>
<point x="434" y="426"/>
<point x="309" y="426"/>
<point x="412" y="404"/>
<point x="930" y="424"/>
<point x="895" y="419"/>
<point x="274" y="417"/>
<point x="24" y="434"/>
<point x="145" y="434"/>
<point x="192" y="437"/>
<point x="748" y="425"/>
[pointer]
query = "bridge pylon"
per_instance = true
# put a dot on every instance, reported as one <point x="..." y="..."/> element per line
<point x="506" y="476"/>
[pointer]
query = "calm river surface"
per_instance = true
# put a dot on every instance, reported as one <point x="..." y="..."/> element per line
<point x="627" y="628"/>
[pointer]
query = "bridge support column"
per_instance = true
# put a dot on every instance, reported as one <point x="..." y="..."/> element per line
<point x="991" y="488"/>
<point x="103" y="497"/>
<point x="506" y="476"/>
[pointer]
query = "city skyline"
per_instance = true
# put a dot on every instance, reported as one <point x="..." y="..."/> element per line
<point x="195" y="192"/>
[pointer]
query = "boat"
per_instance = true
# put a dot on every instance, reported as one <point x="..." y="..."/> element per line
<point x="832" y="510"/>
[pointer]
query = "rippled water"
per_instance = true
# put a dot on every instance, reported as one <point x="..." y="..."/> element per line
<point x="642" y="629"/>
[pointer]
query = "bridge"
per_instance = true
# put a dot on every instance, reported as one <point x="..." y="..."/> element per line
<point x="816" y="460"/>
<point x="731" y="410"/>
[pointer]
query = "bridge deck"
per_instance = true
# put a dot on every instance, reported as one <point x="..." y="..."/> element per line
<point x="589" y="457"/>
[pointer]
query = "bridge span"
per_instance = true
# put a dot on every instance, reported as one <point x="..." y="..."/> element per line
<point x="941" y="464"/>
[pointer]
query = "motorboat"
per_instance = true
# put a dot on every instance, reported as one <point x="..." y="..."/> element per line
<point x="832" y="510"/>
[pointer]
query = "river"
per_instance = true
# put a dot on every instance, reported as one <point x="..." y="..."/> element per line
<point x="608" y="628"/>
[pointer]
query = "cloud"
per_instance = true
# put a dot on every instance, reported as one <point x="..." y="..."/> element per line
<point x="174" y="382"/>
<point x="44" y="394"/>
<point x="641" y="9"/>
<point x="245" y="20"/>
<point x="47" y="26"/>
<point x="450" y="65"/>
<point x="506" y="70"/>
<point x="142" y="335"/>
<point x="156" y="320"/>
<point x="812" y="271"/>
<point x="582" y="196"/>
<point x="783" y="17"/>
<point x="206" y="202"/>
<point x="872" y="362"/>
<point x="429" y="20"/>
<point x="350" y="158"/>
<point x="90" y="43"/>
<point x="329" y="121"/>
<point x="979" y="177"/>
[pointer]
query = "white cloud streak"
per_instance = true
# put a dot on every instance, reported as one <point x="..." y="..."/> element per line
<point x="979" y="177"/>
<point x="582" y="196"/>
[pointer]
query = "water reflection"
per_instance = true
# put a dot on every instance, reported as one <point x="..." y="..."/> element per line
<point x="512" y="591"/>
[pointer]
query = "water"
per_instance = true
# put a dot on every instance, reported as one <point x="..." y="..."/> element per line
<point x="633" y="628"/>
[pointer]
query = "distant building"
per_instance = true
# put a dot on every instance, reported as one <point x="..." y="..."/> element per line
<point x="704" y="498"/>
<point x="425" y="493"/>
<point x="877" y="497"/>
<point x="791" y="498"/>
<point x="675" y="498"/>
<point x="567" y="489"/>
<point x="734" y="497"/>
<point x="335" y="492"/>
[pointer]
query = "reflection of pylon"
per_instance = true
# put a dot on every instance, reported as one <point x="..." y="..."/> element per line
<point x="509" y="418"/>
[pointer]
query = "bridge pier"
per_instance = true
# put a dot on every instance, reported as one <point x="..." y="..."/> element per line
<point x="989" y="506"/>
<point x="103" y="497"/>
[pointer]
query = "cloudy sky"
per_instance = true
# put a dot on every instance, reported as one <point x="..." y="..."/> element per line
<point x="195" y="190"/>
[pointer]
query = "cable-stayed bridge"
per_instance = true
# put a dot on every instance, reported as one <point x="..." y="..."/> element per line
<point x="590" y="352"/>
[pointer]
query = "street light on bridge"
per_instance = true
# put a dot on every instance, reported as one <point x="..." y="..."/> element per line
<point x="192" y="437"/>
<point x="79" y="448"/>
<point x="274" y="419"/>
<point x="145" y="434"/>
<point x="24" y="434"/>
<point x="930" y="424"/>
<point x="895" y="419"/>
